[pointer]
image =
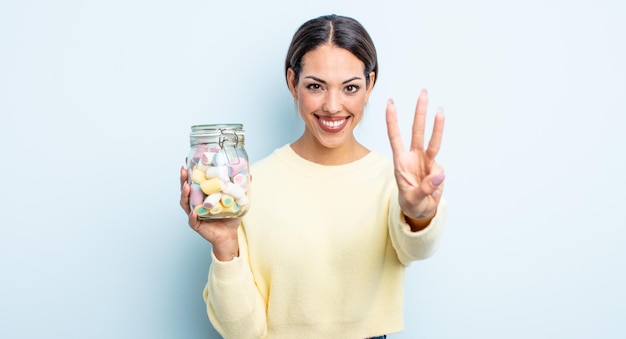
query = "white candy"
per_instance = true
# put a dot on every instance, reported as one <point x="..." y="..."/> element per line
<point x="207" y="157"/>
<point x="243" y="200"/>
<point x="202" y="166"/>
<point x="236" y="191"/>
<point x="217" y="172"/>
<point x="219" y="159"/>
<point x="211" y="200"/>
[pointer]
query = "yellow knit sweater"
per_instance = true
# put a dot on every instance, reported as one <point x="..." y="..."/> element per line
<point x="323" y="251"/>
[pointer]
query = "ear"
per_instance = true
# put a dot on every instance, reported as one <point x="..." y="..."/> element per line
<point x="372" y="79"/>
<point x="291" y="82"/>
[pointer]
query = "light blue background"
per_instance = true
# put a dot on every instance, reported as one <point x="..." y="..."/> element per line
<point x="96" y="100"/>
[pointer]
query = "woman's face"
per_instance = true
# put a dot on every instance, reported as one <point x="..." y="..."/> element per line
<point x="331" y="94"/>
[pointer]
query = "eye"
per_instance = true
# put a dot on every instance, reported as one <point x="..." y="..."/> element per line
<point x="352" y="88"/>
<point x="314" y="87"/>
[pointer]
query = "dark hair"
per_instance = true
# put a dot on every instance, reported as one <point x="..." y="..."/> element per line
<point x="341" y="31"/>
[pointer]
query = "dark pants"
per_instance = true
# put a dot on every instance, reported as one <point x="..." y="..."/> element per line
<point x="381" y="337"/>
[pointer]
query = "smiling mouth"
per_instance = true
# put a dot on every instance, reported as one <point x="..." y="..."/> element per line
<point x="332" y="124"/>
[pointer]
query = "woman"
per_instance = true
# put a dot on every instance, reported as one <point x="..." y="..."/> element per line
<point x="332" y="226"/>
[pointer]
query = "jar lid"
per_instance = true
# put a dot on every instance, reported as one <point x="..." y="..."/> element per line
<point x="216" y="132"/>
<point x="215" y="129"/>
<point x="217" y="126"/>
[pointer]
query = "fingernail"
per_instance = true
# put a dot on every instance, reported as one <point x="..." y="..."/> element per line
<point x="437" y="179"/>
<point x="390" y="101"/>
<point x="425" y="91"/>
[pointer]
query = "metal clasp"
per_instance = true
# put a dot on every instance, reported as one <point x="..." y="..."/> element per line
<point x="230" y="137"/>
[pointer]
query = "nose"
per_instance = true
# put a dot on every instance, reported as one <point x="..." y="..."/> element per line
<point x="332" y="104"/>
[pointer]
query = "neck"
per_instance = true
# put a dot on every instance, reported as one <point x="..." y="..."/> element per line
<point x="320" y="154"/>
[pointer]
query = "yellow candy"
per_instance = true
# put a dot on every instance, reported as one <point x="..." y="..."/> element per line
<point x="234" y="208"/>
<point x="211" y="186"/>
<point x="201" y="211"/>
<point x="197" y="175"/>
<point x="227" y="200"/>
<point x="217" y="209"/>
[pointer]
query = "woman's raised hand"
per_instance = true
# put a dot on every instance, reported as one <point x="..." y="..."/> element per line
<point x="221" y="233"/>
<point x="419" y="177"/>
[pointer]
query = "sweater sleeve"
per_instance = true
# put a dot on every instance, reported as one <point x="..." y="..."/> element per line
<point x="234" y="305"/>
<point x="411" y="246"/>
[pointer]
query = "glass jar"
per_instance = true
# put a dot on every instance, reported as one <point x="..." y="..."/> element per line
<point x="219" y="173"/>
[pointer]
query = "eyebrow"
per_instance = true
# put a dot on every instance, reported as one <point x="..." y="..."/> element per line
<point x="324" y="82"/>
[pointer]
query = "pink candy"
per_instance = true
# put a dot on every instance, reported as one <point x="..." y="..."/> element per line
<point x="236" y="166"/>
<point x="240" y="179"/>
<point x="196" y="195"/>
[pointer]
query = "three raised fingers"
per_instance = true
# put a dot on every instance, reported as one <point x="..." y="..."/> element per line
<point x="419" y="125"/>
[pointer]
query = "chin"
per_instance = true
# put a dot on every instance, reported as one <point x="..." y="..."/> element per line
<point x="334" y="142"/>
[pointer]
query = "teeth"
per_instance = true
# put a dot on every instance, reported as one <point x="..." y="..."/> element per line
<point x="333" y="123"/>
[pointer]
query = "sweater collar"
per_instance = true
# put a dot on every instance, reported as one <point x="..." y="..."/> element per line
<point x="287" y="155"/>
